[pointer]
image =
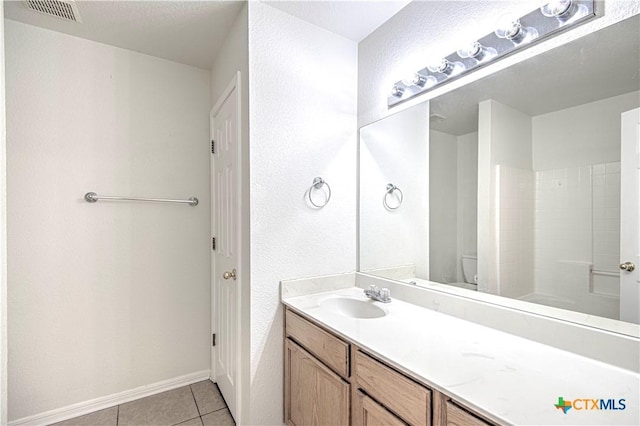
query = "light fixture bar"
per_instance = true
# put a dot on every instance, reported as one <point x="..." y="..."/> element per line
<point x="515" y="35"/>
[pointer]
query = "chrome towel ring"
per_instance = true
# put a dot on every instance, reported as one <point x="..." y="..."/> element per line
<point x="317" y="184"/>
<point x="391" y="188"/>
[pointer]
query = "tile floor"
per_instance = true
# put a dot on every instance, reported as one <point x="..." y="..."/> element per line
<point x="199" y="404"/>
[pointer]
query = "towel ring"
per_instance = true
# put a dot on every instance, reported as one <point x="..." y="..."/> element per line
<point x="317" y="184"/>
<point x="391" y="188"/>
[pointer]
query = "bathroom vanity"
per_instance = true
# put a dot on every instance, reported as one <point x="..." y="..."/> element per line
<point x="353" y="361"/>
<point x="500" y="215"/>
<point x="329" y="380"/>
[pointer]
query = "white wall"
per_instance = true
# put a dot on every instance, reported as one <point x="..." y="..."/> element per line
<point x="425" y="29"/>
<point x="505" y="209"/>
<point x="232" y="57"/>
<point x="103" y="297"/>
<point x="3" y="236"/>
<point x="510" y="137"/>
<point x="395" y="151"/>
<point x="514" y="219"/>
<point x="453" y="199"/>
<point x="443" y="206"/>
<point x="580" y="136"/>
<point x="303" y="124"/>
<point x="467" y="190"/>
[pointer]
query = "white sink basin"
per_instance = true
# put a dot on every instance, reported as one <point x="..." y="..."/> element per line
<point x="352" y="308"/>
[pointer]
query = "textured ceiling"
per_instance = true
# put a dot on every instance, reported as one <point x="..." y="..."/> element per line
<point x="189" y="32"/>
<point x="354" y="19"/>
<point x="192" y="32"/>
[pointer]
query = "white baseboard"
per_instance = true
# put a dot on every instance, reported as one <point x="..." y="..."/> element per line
<point x="86" y="407"/>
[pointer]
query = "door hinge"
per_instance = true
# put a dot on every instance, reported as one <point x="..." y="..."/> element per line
<point x="213" y="243"/>
<point x="213" y="146"/>
<point x="213" y="340"/>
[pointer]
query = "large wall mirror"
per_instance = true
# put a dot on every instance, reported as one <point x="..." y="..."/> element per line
<point x="511" y="185"/>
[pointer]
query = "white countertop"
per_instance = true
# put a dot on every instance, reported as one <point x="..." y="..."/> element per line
<point x="504" y="377"/>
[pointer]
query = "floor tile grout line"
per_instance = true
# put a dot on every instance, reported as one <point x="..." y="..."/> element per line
<point x="195" y="400"/>
<point x="118" y="416"/>
<point x="188" y="420"/>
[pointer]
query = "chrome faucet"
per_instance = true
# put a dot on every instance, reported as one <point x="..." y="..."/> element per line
<point x="382" y="295"/>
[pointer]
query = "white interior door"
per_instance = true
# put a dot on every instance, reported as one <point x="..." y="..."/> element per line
<point x="629" y="217"/>
<point x="225" y="257"/>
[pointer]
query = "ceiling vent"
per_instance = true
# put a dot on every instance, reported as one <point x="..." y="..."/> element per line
<point x="434" y="117"/>
<point x="63" y="9"/>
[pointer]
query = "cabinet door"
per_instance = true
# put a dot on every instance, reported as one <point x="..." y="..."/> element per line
<point x="456" y="416"/>
<point x="370" y="413"/>
<point x="314" y="395"/>
<point x="447" y="413"/>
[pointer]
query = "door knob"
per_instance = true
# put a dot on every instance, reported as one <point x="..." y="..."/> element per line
<point x="627" y="266"/>
<point x="228" y="275"/>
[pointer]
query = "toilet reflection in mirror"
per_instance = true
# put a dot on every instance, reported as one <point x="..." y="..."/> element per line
<point x="519" y="191"/>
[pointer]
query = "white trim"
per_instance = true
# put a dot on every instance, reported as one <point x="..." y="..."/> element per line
<point x="234" y="85"/>
<point x="3" y="233"/>
<point x="212" y="352"/>
<point x="92" y="405"/>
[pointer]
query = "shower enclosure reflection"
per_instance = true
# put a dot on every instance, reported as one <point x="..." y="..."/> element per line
<point x="553" y="219"/>
<point x="521" y="196"/>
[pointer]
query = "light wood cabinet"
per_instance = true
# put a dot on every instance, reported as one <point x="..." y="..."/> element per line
<point x="315" y="395"/>
<point x="330" y="381"/>
<point x="329" y="349"/>
<point x="446" y="412"/>
<point x="367" y="412"/>
<point x="401" y="395"/>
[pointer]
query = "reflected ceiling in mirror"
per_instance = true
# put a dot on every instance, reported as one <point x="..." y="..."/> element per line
<point x="511" y="184"/>
<point x="597" y="66"/>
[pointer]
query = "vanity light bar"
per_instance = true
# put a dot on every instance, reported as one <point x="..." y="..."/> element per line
<point x="512" y="34"/>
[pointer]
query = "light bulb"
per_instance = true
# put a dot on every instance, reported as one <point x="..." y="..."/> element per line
<point x="564" y="11"/>
<point x="511" y="29"/>
<point x="508" y="27"/>
<point x="414" y="79"/>
<point x="438" y="65"/>
<point x="471" y="50"/>
<point x="430" y="81"/>
<point x="556" y="8"/>
<point x="477" y="51"/>
<point x="407" y="80"/>
<point x="444" y="66"/>
<point x="397" y="91"/>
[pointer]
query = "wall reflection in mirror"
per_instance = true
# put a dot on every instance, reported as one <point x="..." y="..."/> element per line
<point x="511" y="184"/>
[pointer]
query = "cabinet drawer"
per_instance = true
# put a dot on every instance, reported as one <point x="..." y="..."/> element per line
<point x="325" y="346"/>
<point x="456" y="416"/>
<point x="404" y="397"/>
<point x="370" y="413"/>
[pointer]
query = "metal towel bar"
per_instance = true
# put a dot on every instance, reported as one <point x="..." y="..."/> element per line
<point x="92" y="197"/>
